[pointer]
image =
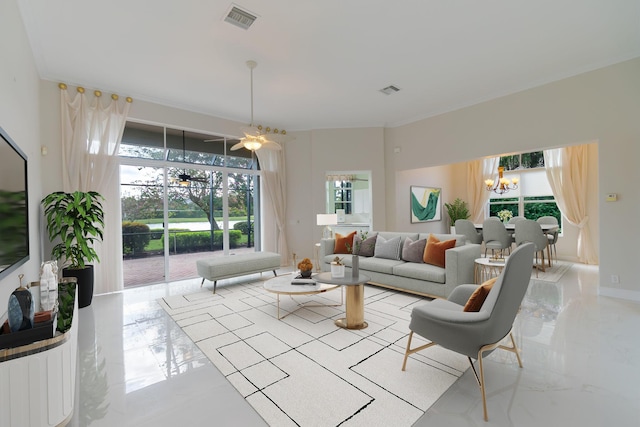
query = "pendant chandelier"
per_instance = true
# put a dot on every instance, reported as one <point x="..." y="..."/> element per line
<point x="502" y="184"/>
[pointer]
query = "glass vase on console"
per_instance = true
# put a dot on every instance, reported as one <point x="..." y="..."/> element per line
<point x="355" y="265"/>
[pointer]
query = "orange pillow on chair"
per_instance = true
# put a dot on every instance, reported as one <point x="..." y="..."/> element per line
<point x="479" y="295"/>
<point x="341" y="243"/>
<point x="434" y="251"/>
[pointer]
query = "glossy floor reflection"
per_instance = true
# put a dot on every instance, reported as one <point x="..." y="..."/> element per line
<point x="580" y="355"/>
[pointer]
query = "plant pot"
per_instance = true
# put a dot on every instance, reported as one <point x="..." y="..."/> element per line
<point x="306" y="274"/>
<point x="84" y="278"/>
<point x="337" y="271"/>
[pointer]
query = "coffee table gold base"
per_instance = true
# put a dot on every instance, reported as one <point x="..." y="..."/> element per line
<point x="343" y="324"/>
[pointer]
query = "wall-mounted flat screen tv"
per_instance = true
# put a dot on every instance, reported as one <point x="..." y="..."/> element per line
<point x="14" y="206"/>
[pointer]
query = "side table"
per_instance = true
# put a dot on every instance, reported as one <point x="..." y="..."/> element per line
<point x="354" y="306"/>
<point x="486" y="269"/>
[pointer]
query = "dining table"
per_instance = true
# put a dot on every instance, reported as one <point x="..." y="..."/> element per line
<point x="547" y="229"/>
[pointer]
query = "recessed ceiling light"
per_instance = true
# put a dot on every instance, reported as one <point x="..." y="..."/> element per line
<point x="390" y="89"/>
<point x="240" y="17"/>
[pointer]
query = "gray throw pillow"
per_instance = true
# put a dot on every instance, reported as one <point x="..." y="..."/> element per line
<point x="413" y="251"/>
<point x="389" y="249"/>
<point x="364" y="247"/>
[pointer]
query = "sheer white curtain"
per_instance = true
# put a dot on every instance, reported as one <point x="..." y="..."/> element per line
<point x="272" y="170"/>
<point x="567" y="170"/>
<point x="477" y="172"/>
<point x="91" y="135"/>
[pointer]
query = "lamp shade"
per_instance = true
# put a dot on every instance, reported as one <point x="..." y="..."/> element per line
<point x="326" y="219"/>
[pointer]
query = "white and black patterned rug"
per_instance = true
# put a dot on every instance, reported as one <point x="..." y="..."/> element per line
<point x="303" y="370"/>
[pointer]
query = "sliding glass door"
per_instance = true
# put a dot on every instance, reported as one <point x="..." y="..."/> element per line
<point x="183" y="198"/>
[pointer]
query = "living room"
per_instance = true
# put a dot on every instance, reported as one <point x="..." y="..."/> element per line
<point x="600" y="106"/>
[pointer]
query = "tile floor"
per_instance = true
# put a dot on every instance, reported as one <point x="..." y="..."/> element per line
<point x="580" y="353"/>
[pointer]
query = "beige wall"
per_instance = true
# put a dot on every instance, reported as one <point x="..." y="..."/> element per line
<point x="19" y="117"/>
<point x="601" y="106"/>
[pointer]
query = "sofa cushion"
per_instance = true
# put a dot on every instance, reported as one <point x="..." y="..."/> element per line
<point x="421" y="271"/>
<point x="364" y="247"/>
<point x="388" y="249"/>
<point x="378" y="265"/>
<point x="342" y="241"/>
<point x="413" y="251"/>
<point x="434" y="251"/>
<point x="479" y="295"/>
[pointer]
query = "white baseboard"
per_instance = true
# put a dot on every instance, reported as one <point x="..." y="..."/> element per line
<point x="619" y="293"/>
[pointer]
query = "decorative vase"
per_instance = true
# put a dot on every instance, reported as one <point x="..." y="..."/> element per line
<point x="355" y="265"/>
<point x="20" y="311"/>
<point x="48" y="285"/>
<point x="306" y="274"/>
<point x="337" y="271"/>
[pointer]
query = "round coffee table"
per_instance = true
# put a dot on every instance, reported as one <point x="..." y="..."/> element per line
<point x="354" y="308"/>
<point x="281" y="285"/>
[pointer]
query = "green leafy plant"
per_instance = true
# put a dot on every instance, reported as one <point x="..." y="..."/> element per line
<point x="457" y="210"/>
<point x="78" y="220"/>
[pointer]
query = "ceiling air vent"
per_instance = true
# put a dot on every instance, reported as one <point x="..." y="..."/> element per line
<point x="240" y="18"/>
<point x="390" y="90"/>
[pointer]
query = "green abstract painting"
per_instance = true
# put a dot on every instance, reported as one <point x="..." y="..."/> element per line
<point x="425" y="204"/>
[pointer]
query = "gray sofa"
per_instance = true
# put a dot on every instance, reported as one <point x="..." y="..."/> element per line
<point x="417" y="278"/>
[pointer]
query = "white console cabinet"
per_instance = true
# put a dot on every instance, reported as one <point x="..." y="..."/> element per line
<point x="38" y="380"/>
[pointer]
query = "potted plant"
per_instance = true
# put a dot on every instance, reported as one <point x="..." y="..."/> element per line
<point x="457" y="210"/>
<point x="77" y="219"/>
<point x="306" y="267"/>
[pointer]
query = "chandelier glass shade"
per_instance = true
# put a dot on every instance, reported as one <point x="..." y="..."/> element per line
<point x="502" y="184"/>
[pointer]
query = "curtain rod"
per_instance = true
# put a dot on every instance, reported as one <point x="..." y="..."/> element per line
<point x="97" y="93"/>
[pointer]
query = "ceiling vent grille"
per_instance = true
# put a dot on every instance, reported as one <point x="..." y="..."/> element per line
<point x="390" y="90"/>
<point x="240" y="18"/>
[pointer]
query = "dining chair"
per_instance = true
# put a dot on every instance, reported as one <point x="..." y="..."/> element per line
<point x="513" y="221"/>
<point x="551" y="235"/>
<point x="466" y="227"/>
<point x="471" y="326"/>
<point x="529" y="231"/>
<point x="495" y="236"/>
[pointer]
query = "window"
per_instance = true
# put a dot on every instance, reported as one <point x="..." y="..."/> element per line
<point x="533" y="198"/>
<point x="342" y="196"/>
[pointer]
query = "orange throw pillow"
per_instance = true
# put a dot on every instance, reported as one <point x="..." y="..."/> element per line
<point x="434" y="251"/>
<point x="479" y="295"/>
<point x="341" y="243"/>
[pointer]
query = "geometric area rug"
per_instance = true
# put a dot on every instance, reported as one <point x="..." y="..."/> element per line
<point x="303" y="370"/>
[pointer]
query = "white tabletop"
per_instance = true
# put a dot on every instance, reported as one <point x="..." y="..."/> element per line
<point x="282" y="285"/>
<point x="512" y="227"/>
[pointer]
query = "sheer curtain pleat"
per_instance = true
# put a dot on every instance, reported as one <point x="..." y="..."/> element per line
<point x="567" y="170"/>
<point x="272" y="168"/>
<point x="477" y="172"/>
<point x="91" y="135"/>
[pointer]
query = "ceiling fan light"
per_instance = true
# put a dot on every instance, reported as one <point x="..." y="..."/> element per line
<point x="252" y="145"/>
<point x="184" y="180"/>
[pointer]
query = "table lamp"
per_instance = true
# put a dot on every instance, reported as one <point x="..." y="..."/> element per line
<point x="327" y="220"/>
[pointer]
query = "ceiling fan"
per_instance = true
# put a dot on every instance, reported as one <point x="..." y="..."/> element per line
<point x="256" y="137"/>
<point x="184" y="178"/>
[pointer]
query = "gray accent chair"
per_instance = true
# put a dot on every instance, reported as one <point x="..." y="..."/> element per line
<point x="466" y="227"/>
<point x="552" y="236"/>
<point x="476" y="334"/>
<point x="530" y="231"/>
<point x="495" y="236"/>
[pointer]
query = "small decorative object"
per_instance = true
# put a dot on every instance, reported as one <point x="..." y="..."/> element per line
<point x="48" y="285"/>
<point x="337" y="268"/>
<point x="20" y="310"/>
<point x="505" y="215"/>
<point x="355" y="265"/>
<point x="34" y="288"/>
<point x="306" y="267"/>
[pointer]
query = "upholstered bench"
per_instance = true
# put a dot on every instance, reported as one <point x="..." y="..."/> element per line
<point x="224" y="267"/>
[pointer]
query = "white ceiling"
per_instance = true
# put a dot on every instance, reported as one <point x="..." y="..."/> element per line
<point x="321" y="63"/>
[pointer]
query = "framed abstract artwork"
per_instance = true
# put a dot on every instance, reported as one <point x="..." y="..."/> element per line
<point x="425" y="203"/>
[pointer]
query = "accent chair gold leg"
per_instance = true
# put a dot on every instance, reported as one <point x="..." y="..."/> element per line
<point x="484" y="396"/>
<point x="413" y="350"/>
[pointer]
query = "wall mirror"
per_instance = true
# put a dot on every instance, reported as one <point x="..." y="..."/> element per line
<point x="349" y="196"/>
